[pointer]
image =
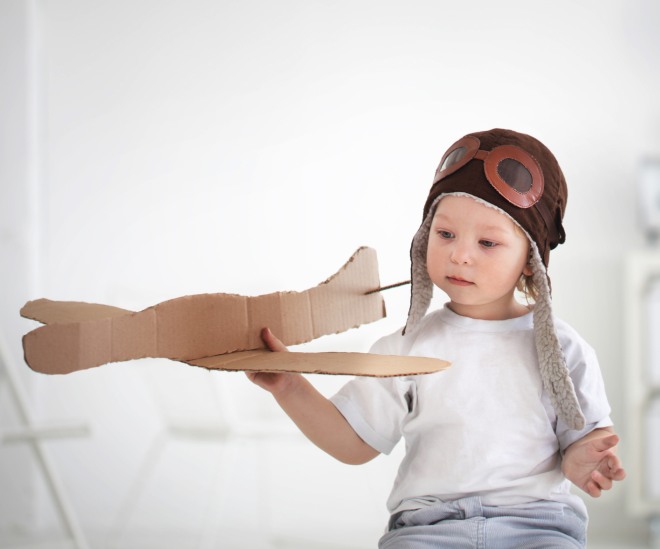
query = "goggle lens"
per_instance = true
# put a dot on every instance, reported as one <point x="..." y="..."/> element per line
<point x="515" y="175"/>
<point x="452" y="158"/>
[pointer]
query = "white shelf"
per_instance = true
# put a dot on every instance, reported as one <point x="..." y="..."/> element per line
<point x="642" y="397"/>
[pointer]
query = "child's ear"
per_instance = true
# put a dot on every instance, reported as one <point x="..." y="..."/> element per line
<point x="527" y="270"/>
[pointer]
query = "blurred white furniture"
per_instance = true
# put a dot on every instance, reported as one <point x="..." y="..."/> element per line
<point x="33" y="434"/>
<point x="642" y="373"/>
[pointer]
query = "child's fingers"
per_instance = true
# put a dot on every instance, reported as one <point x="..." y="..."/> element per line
<point x="603" y="482"/>
<point x="619" y="474"/>
<point x="612" y="467"/>
<point x="592" y="489"/>
<point x="606" y="443"/>
<point x="272" y="342"/>
<point x="615" y="469"/>
<point x="252" y="376"/>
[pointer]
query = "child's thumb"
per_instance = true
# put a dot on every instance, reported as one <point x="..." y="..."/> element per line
<point x="606" y="442"/>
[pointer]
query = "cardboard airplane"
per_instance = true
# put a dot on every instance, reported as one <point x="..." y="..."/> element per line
<point x="222" y="331"/>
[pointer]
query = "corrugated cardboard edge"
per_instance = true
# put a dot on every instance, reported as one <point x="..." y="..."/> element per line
<point x="47" y="311"/>
<point x="333" y="363"/>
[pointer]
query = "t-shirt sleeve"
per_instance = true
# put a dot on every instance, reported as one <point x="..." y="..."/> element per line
<point x="376" y="408"/>
<point x="589" y="386"/>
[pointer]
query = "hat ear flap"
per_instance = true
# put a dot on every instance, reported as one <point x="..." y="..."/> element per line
<point x="552" y="363"/>
<point x="421" y="291"/>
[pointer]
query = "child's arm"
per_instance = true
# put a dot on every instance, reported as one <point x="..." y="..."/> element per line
<point x="315" y="415"/>
<point x="591" y="462"/>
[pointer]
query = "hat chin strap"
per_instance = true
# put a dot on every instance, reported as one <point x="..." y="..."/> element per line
<point x="552" y="363"/>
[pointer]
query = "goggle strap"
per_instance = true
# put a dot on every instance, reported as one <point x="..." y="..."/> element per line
<point x="555" y="234"/>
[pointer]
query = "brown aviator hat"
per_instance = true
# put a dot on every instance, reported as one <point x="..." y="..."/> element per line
<point x="518" y="175"/>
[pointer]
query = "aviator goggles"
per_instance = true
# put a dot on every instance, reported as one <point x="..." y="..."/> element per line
<point x="514" y="173"/>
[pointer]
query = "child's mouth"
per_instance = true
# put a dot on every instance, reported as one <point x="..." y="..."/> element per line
<point x="459" y="281"/>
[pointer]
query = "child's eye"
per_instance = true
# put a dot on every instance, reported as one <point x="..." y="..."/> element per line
<point x="445" y="234"/>
<point x="488" y="243"/>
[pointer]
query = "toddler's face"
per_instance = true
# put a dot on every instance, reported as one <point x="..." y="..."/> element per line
<point x="476" y="255"/>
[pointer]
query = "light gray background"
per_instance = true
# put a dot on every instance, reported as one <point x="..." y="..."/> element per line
<point x="151" y="149"/>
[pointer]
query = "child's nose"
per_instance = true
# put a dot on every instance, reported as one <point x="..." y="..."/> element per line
<point x="461" y="254"/>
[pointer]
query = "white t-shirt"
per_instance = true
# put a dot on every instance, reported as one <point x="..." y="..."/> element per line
<point x="485" y="426"/>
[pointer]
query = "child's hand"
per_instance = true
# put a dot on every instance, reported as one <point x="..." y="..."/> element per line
<point x="274" y="382"/>
<point x="315" y="415"/>
<point x="592" y="464"/>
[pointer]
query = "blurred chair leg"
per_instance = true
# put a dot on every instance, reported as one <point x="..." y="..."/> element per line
<point x="33" y="435"/>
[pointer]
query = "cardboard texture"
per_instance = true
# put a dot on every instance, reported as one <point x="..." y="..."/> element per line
<point x="353" y="364"/>
<point x="221" y="331"/>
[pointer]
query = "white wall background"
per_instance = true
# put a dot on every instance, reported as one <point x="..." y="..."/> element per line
<point x="151" y="149"/>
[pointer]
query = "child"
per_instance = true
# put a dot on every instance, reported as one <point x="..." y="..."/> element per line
<point x="492" y="443"/>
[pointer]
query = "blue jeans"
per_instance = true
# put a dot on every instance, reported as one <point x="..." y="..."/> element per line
<point x="466" y="523"/>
